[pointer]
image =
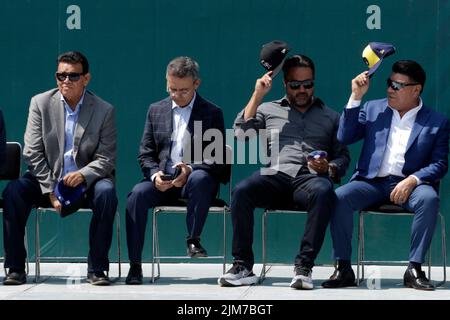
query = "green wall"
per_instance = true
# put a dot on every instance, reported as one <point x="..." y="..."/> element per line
<point x="129" y="44"/>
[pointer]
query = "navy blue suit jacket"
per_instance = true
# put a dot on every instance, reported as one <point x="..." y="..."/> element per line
<point x="154" y="150"/>
<point x="427" y="150"/>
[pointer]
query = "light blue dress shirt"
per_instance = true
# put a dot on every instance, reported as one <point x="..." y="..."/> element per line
<point x="71" y="119"/>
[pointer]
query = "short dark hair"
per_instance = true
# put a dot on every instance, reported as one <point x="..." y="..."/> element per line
<point x="296" y="61"/>
<point x="74" y="57"/>
<point x="182" y="67"/>
<point x="411" y="69"/>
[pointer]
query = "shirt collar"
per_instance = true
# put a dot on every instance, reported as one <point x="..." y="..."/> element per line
<point x="284" y="102"/>
<point x="77" y="109"/>
<point x="190" y="105"/>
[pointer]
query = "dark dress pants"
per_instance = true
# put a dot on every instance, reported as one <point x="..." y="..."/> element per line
<point x="313" y="192"/>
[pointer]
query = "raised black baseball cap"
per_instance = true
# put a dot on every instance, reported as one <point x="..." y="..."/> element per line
<point x="272" y="56"/>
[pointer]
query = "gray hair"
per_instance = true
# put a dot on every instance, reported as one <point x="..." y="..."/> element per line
<point x="182" y="67"/>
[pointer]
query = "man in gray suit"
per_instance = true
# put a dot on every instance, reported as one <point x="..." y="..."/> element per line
<point x="70" y="136"/>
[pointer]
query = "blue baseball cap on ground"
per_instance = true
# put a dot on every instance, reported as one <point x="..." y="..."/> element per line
<point x="374" y="53"/>
<point x="71" y="198"/>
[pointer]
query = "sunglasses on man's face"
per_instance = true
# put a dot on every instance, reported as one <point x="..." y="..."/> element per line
<point x="73" y="76"/>
<point x="296" y="84"/>
<point x="395" y="85"/>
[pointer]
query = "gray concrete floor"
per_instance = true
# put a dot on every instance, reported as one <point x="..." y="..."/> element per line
<point x="198" y="281"/>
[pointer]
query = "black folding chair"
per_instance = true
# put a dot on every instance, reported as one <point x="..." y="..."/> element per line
<point x="289" y="209"/>
<point x="179" y="207"/>
<point x="392" y="210"/>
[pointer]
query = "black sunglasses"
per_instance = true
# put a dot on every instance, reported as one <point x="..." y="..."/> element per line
<point x="395" y="85"/>
<point x="296" y="84"/>
<point x="73" y="76"/>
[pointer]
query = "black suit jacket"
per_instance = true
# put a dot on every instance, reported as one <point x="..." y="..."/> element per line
<point x="154" y="150"/>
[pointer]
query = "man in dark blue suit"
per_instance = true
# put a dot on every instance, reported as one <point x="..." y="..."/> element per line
<point x="173" y="142"/>
<point x="404" y="156"/>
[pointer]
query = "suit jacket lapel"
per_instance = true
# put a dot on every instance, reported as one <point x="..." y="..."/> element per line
<point x="58" y="119"/>
<point x="421" y="119"/>
<point x="196" y="114"/>
<point x="386" y="120"/>
<point x="86" y="111"/>
<point x="167" y="118"/>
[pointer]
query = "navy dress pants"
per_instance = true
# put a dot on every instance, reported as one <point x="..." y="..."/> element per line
<point x="200" y="190"/>
<point x="362" y="193"/>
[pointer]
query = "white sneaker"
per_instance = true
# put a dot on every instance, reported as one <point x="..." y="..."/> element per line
<point x="302" y="278"/>
<point x="238" y="275"/>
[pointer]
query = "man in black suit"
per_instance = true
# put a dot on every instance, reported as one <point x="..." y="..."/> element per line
<point x="174" y="161"/>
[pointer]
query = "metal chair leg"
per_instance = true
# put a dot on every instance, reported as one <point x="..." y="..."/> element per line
<point x="158" y="260"/>
<point x="362" y="246"/>
<point x="26" y="249"/>
<point x="444" y="252"/>
<point x="37" y="247"/>
<point x="224" y="240"/>
<point x="262" y="277"/>
<point x="358" y="261"/>
<point x="118" y="243"/>
<point x="117" y="218"/>
<point x="155" y="248"/>
<point x="444" y="248"/>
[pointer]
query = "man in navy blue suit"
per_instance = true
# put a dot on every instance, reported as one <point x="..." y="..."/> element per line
<point x="404" y="156"/>
<point x="170" y="143"/>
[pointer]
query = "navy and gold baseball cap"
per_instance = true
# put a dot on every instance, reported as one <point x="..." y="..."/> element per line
<point x="272" y="56"/>
<point x="374" y="53"/>
<point x="71" y="198"/>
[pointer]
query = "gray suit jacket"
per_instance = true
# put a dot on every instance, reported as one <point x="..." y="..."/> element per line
<point x="94" y="143"/>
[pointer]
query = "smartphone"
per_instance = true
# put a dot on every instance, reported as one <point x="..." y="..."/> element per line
<point x="317" y="154"/>
<point x="166" y="177"/>
<point x="176" y="173"/>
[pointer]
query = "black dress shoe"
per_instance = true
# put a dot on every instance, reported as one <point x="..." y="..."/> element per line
<point x="135" y="274"/>
<point x="341" y="278"/>
<point x="417" y="280"/>
<point x="98" y="278"/>
<point x="195" y="249"/>
<point x="14" y="278"/>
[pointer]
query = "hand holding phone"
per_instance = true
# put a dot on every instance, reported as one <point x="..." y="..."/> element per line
<point x="176" y="173"/>
<point x="316" y="155"/>
<point x="166" y="177"/>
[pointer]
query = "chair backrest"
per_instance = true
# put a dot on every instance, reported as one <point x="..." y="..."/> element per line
<point x="11" y="168"/>
<point x="229" y="161"/>
<point x="227" y="177"/>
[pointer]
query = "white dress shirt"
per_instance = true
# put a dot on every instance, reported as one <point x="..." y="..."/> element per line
<point x="180" y="121"/>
